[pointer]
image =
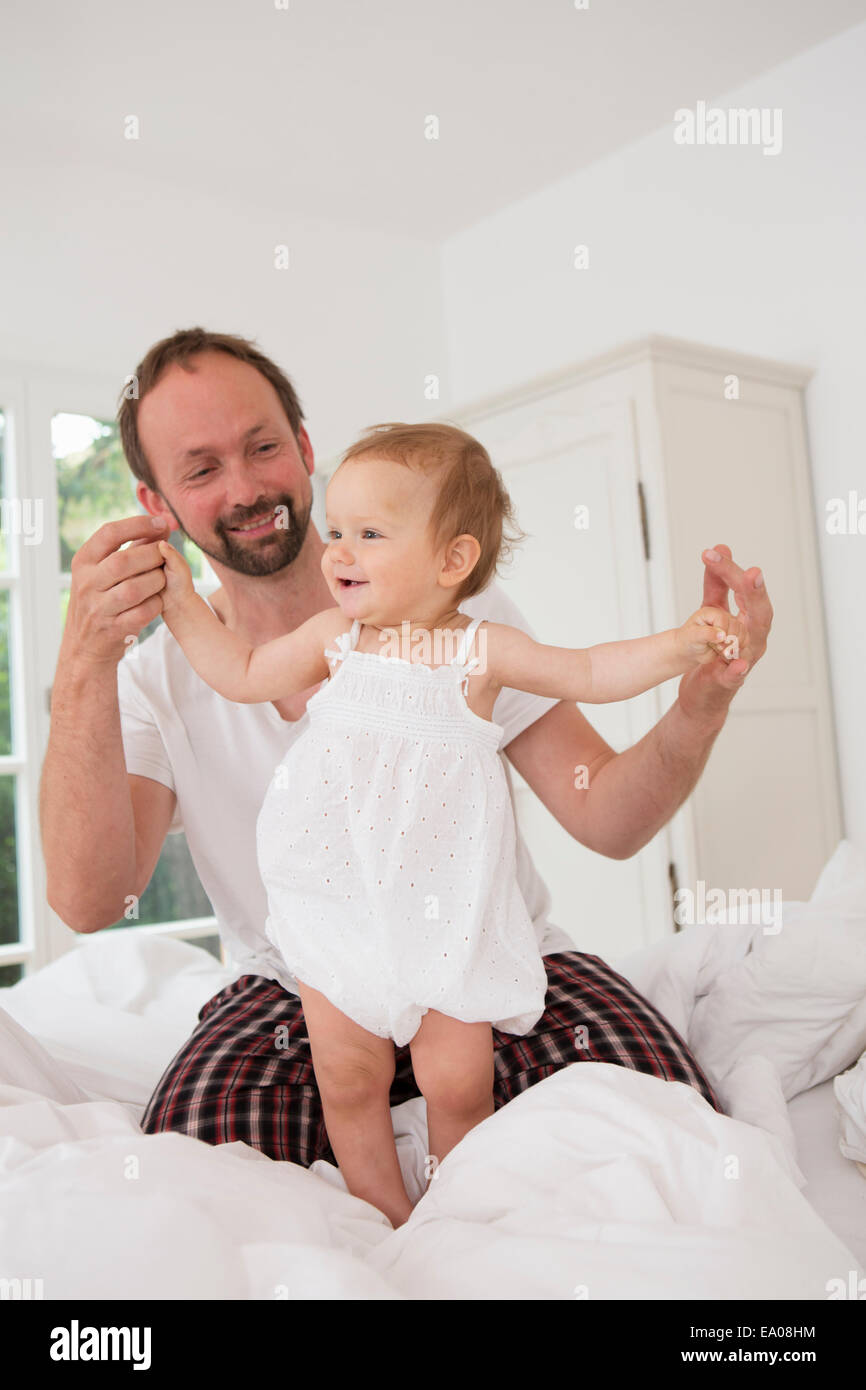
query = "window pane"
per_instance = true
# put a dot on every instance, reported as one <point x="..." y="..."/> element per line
<point x="4" y="553"/>
<point x="9" y="923"/>
<point x="10" y="975"/>
<point x="5" y="700"/>
<point x="93" y="482"/>
<point x="211" y="944"/>
<point x="95" y="485"/>
<point x="173" y="894"/>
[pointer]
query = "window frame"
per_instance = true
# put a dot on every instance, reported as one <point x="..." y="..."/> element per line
<point x="30" y="396"/>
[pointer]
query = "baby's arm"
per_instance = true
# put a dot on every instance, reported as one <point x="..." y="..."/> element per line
<point x="234" y="669"/>
<point x="612" y="670"/>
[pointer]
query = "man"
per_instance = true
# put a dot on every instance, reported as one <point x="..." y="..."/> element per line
<point x="141" y="746"/>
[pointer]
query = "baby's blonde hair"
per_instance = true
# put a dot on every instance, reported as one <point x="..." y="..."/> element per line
<point x="472" y="498"/>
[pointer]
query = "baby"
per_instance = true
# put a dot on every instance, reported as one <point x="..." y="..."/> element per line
<point x="386" y="840"/>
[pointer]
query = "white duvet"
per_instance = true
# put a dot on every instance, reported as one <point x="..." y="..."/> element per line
<point x="597" y="1183"/>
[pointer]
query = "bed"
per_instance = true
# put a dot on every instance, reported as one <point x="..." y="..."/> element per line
<point x="598" y="1182"/>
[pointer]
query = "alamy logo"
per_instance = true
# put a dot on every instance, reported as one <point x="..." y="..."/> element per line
<point x="736" y="126"/>
<point x="22" y="516"/>
<point x="21" y="1289"/>
<point x="75" y="1343"/>
<point x="717" y="906"/>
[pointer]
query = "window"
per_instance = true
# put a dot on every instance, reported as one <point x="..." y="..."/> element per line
<point x="71" y="461"/>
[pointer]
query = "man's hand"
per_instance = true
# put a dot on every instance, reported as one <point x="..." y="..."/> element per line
<point x="706" y="692"/>
<point x="114" y="593"/>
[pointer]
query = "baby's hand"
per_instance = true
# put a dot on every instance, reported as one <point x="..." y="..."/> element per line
<point x="708" y="633"/>
<point x="178" y="579"/>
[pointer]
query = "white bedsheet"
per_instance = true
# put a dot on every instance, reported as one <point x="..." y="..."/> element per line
<point x="598" y="1182"/>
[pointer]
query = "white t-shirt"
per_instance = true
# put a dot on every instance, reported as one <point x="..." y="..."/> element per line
<point x="218" y="757"/>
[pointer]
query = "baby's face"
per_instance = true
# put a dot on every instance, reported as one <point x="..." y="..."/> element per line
<point x="378" y="561"/>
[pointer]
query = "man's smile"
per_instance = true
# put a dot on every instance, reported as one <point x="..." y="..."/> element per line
<point x="257" y="527"/>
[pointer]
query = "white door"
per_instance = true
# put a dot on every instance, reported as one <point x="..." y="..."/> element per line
<point x="765" y="815"/>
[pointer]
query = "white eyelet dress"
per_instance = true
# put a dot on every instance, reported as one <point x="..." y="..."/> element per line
<point x="386" y="843"/>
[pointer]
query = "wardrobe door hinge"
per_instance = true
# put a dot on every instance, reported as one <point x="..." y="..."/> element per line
<point x="675" y="885"/>
<point x="644" y="522"/>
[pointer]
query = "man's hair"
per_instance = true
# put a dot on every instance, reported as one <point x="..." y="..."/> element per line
<point x="179" y="348"/>
<point x="471" y="495"/>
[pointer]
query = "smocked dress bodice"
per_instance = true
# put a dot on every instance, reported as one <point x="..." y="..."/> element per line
<point x="386" y="844"/>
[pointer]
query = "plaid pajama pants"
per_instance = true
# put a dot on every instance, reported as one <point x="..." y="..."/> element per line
<point x="246" y="1073"/>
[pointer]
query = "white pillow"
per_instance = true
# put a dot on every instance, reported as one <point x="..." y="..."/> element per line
<point x="797" y="997"/>
<point x="114" y="1009"/>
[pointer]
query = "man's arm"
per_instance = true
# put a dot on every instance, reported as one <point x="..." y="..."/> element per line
<point x="89" y="808"/>
<point x="631" y="795"/>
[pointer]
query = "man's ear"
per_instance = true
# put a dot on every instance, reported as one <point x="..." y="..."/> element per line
<point x="305" y="449"/>
<point x="153" y="503"/>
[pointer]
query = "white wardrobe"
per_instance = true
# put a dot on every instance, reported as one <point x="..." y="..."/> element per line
<point x="623" y="470"/>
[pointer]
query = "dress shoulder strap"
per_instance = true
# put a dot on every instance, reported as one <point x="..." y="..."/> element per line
<point x="465" y="643"/>
<point x="460" y="662"/>
<point x="346" y="642"/>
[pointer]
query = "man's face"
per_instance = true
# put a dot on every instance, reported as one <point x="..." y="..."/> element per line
<point x="224" y="456"/>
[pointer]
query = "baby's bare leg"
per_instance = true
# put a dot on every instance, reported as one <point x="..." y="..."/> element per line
<point x="354" y="1070"/>
<point x="453" y="1066"/>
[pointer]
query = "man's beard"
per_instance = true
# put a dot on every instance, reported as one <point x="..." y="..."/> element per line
<point x="265" y="554"/>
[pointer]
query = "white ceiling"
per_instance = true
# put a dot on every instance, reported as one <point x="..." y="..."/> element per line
<point x="318" y="110"/>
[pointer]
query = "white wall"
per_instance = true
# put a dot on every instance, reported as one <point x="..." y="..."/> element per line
<point x="97" y="267"/>
<point x="718" y="244"/>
